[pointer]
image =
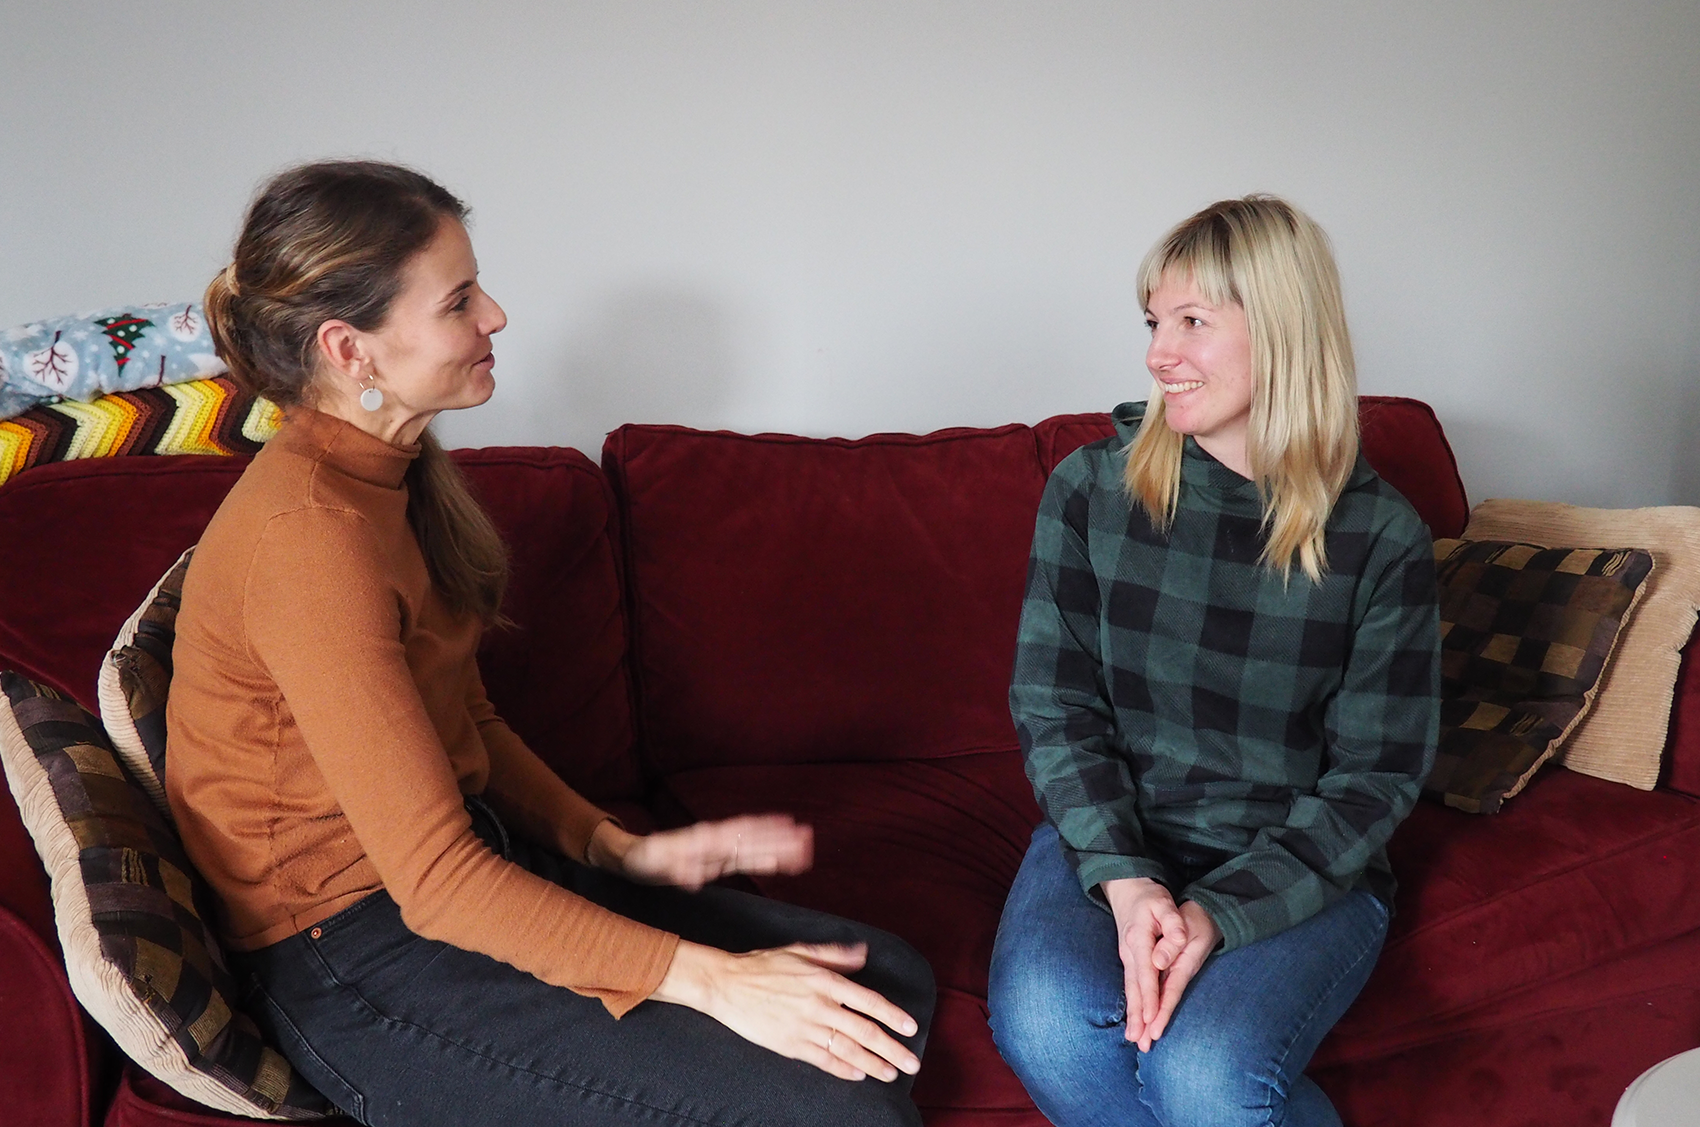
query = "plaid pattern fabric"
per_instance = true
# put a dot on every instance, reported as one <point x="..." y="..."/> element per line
<point x="1187" y="716"/>
<point x="211" y="416"/>
<point x="1525" y="634"/>
<point x="147" y="905"/>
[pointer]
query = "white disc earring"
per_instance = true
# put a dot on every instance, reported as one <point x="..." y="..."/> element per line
<point x="371" y="398"/>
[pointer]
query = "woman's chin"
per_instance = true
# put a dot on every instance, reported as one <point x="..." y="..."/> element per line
<point x="1180" y="424"/>
<point x="480" y="389"/>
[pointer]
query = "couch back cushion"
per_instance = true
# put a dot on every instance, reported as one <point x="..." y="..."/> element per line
<point x="87" y="540"/>
<point x="815" y="600"/>
<point x="559" y="677"/>
<point x="823" y="600"/>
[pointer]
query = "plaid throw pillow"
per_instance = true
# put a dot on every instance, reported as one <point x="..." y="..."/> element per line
<point x="1525" y="633"/>
<point x="131" y="913"/>
<point x="135" y="679"/>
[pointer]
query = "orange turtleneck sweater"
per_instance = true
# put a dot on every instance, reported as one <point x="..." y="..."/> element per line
<point x="327" y="716"/>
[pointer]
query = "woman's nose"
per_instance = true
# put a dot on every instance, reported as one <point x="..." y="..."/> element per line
<point x="496" y="320"/>
<point x="1160" y="354"/>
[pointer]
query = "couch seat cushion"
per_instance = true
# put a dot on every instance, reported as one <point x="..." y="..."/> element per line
<point x="925" y="849"/>
<point x="142" y="1101"/>
<point x="1575" y="874"/>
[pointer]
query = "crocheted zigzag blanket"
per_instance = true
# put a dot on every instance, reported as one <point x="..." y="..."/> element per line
<point x="208" y="416"/>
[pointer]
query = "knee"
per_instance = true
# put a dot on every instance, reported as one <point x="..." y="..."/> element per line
<point x="902" y="974"/>
<point x="1188" y="1081"/>
<point x="1044" y="1023"/>
<point x="902" y="963"/>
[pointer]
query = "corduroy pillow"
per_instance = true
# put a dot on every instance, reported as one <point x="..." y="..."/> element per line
<point x="1623" y="736"/>
<point x="1525" y="633"/>
<point x="135" y="679"/>
<point x="131" y="914"/>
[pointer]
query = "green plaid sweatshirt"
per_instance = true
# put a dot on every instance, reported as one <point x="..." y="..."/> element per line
<point x="1186" y="716"/>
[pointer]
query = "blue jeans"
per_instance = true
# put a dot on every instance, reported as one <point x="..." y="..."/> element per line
<point x="1235" y="1050"/>
<point x="405" y="1031"/>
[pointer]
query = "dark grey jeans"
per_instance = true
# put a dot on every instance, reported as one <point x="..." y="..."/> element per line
<point x="407" y="1031"/>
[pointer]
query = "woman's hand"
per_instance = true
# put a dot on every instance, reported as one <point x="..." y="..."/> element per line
<point x="1202" y="935"/>
<point x="694" y="856"/>
<point x="796" y="1001"/>
<point x="1151" y="933"/>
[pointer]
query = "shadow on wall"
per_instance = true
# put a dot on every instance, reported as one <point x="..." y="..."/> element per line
<point x="653" y="356"/>
<point x="1657" y="467"/>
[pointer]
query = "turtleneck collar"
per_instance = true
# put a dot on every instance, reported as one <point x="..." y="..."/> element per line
<point x="1201" y="469"/>
<point x="1198" y="469"/>
<point x="344" y="447"/>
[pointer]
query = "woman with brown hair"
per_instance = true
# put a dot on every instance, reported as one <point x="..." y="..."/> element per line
<point x="431" y="924"/>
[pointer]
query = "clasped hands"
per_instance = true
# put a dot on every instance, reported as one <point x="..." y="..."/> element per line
<point x="1162" y="945"/>
<point x="793" y="1000"/>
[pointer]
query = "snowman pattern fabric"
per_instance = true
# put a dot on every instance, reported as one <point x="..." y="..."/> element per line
<point x="88" y="355"/>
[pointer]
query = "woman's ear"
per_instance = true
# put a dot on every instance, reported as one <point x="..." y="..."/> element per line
<point x="341" y="349"/>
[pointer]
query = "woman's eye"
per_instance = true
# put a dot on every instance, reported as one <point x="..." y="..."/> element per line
<point x="1193" y="322"/>
<point x="463" y="304"/>
<point x="1150" y="324"/>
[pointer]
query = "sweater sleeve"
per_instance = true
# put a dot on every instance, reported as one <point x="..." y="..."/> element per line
<point x="1060" y="703"/>
<point x="524" y="790"/>
<point x="1380" y="731"/>
<point x="343" y="674"/>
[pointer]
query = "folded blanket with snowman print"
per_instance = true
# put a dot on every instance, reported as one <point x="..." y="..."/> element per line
<point x="88" y="355"/>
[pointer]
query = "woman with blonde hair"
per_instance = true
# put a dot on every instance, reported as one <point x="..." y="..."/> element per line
<point x="1226" y="690"/>
<point x="433" y="927"/>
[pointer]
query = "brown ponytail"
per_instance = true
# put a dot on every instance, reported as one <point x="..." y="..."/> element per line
<point x="468" y="561"/>
<point x="329" y="241"/>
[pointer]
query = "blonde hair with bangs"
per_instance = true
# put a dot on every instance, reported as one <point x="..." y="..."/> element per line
<point x="1273" y="261"/>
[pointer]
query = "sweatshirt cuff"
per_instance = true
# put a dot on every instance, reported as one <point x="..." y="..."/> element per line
<point x="1094" y="869"/>
<point x="1227" y="914"/>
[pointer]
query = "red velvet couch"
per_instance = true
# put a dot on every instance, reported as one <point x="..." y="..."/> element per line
<point x="712" y="623"/>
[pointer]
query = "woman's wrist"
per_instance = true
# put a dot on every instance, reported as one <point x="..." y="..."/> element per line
<point x="689" y="980"/>
<point x="608" y="846"/>
<point x="1123" y="891"/>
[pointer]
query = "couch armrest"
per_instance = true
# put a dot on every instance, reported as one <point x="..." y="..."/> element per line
<point x="44" y="1055"/>
<point x="1682" y="748"/>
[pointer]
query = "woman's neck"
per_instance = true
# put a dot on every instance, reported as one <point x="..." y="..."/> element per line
<point x="391" y="424"/>
<point x="1229" y="449"/>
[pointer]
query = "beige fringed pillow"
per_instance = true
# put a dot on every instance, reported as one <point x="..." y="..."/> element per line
<point x="135" y="680"/>
<point x="1623" y="738"/>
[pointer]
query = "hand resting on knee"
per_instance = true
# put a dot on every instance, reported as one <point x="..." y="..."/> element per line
<point x="1161" y="947"/>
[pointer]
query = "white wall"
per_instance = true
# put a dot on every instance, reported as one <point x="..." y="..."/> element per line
<point x="842" y="216"/>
